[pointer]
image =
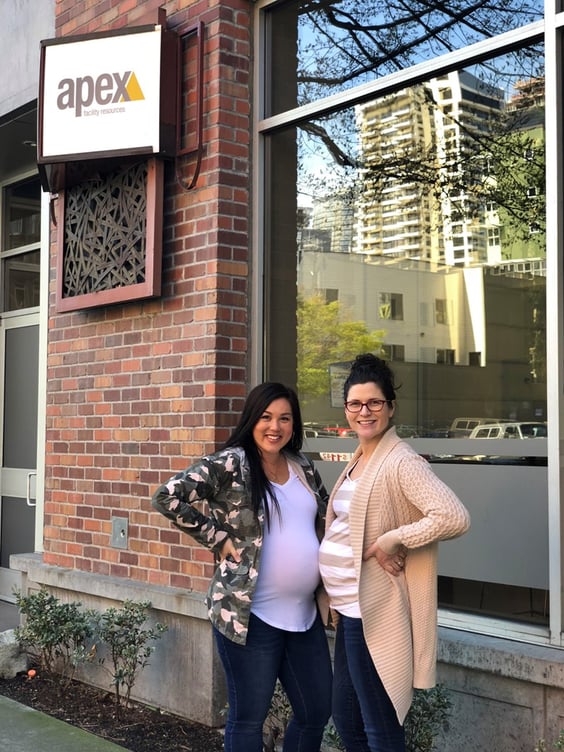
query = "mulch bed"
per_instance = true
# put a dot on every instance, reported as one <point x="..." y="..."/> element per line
<point x="138" y="728"/>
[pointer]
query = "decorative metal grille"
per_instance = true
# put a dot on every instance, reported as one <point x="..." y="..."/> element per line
<point x="105" y="232"/>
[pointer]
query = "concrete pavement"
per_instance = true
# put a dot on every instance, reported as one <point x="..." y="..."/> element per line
<point x="23" y="729"/>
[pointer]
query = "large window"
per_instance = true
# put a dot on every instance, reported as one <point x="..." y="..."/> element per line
<point x="19" y="251"/>
<point x="320" y="49"/>
<point x="412" y="201"/>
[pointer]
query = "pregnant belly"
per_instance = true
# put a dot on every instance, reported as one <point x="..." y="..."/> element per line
<point x="295" y="575"/>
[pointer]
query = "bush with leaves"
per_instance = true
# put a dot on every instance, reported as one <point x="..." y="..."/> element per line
<point x="427" y="716"/>
<point x="127" y="640"/>
<point x="54" y="634"/>
<point x="277" y="720"/>
<point x="558" y="744"/>
<point x="331" y="738"/>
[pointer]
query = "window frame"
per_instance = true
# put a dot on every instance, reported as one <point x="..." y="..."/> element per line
<point x="551" y="31"/>
<point x="13" y="253"/>
<point x="395" y="302"/>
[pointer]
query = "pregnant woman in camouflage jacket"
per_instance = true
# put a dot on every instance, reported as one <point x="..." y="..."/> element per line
<point x="259" y="505"/>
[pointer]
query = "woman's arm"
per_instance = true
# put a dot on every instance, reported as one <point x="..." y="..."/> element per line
<point x="441" y="513"/>
<point x="187" y="498"/>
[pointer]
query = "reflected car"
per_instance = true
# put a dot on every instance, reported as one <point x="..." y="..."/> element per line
<point x="320" y="431"/>
<point x="405" y="431"/>
<point x="343" y="432"/>
<point x="313" y="431"/>
<point x="521" y="430"/>
<point x="462" y="427"/>
<point x="485" y="459"/>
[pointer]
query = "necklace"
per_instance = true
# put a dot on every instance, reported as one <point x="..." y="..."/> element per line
<point x="278" y="474"/>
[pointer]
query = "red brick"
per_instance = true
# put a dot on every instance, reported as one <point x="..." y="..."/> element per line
<point x="135" y="389"/>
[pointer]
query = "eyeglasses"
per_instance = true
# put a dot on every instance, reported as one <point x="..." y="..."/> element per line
<point x="374" y="405"/>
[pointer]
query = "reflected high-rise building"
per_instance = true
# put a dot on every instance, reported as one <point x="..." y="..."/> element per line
<point x="421" y="164"/>
<point x="335" y="215"/>
<point x="434" y="242"/>
<point x="396" y="215"/>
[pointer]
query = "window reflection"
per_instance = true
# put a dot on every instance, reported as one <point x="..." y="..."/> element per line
<point x="20" y="264"/>
<point x="22" y="214"/>
<point x="398" y="208"/>
<point x="412" y="226"/>
<point x="343" y="43"/>
<point x="21" y="276"/>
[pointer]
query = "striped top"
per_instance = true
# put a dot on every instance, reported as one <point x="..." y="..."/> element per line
<point x="336" y="560"/>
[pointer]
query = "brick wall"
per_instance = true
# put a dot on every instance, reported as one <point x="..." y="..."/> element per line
<point x="136" y="390"/>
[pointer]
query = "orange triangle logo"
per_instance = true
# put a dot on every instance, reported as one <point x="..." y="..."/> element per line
<point x="133" y="89"/>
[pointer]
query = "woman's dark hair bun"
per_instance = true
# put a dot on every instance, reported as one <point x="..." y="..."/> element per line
<point x="369" y="367"/>
<point x="367" y="359"/>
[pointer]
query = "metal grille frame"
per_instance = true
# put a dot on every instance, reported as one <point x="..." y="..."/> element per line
<point x="109" y="244"/>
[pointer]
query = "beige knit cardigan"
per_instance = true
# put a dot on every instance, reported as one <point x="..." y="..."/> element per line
<point x="399" y="491"/>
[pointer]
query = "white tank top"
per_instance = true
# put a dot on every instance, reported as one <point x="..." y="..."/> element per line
<point x="289" y="563"/>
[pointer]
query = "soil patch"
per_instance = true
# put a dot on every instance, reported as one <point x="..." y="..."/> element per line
<point x="138" y="728"/>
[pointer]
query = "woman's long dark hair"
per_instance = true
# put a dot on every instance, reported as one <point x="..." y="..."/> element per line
<point x="368" y="367"/>
<point x="255" y="405"/>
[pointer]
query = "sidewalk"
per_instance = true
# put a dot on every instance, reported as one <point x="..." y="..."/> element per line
<point x="23" y="729"/>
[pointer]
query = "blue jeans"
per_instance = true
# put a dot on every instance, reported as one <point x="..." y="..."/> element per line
<point x="362" y="710"/>
<point x="300" y="660"/>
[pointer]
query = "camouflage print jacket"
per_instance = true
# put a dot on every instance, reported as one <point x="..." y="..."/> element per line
<point x="211" y="501"/>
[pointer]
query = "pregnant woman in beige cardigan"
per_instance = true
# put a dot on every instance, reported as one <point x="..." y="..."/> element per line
<point x="378" y="561"/>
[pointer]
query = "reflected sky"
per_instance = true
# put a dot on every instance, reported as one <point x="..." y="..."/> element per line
<point x="340" y="44"/>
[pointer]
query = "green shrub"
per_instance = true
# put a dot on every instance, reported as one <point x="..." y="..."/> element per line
<point x="558" y="744"/>
<point x="121" y="629"/>
<point x="427" y="716"/>
<point x="53" y="634"/>
<point x="278" y="718"/>
<point x="331" y="738"/>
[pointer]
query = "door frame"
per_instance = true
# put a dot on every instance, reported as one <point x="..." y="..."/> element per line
<point x="41" y="317"/>
<point x="18" y="483"/>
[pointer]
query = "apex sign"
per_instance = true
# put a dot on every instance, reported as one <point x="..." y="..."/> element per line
<point x="105" y="89"/>
<point x="102" y="95"/>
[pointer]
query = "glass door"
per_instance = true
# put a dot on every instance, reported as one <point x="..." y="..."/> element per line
<point x="19" y="447"/>
<point x="19" y="364"/>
